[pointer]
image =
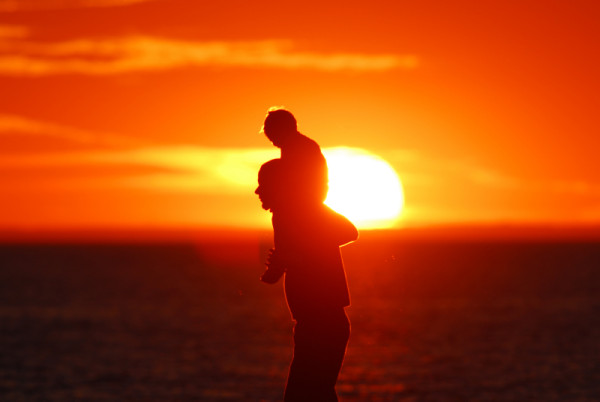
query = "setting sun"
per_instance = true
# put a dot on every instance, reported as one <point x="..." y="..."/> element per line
<point x="363" y="187"/>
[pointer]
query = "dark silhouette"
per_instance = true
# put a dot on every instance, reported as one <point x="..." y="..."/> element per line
<point x="303" y="153"/>
<point x="307" y="240"/>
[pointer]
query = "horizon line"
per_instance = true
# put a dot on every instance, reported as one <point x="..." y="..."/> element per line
<point x="442" y="231"/>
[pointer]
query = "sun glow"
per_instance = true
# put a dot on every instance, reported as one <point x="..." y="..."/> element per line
<point x="363" y="187"/>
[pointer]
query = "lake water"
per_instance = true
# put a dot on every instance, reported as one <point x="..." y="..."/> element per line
<point x="431" y="321"/>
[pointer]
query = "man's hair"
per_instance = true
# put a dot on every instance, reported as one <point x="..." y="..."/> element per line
<point x="271" y="173"/>
<point x="280" y="119"/>
<point x="279" y="177"/>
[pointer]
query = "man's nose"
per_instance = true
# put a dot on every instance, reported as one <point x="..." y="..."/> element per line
<point x="256" y="191"/>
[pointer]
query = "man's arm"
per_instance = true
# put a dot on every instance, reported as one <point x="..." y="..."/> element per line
<point x="276" y="260"/>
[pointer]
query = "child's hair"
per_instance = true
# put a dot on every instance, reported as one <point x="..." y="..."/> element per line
<point x="278" y="119"/>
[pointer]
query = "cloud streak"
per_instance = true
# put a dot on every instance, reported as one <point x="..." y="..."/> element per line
<point x="433" y="193"/>
<point x="173" y="169"/>
<point x="187" y="168"/>
<point x="195" y="169"/>
<point x="23" y="126"/>
<point x="29" y="5"/>
<point x="143" y="53"/>
<point x="230" y="170"/>
<point x="14" y="32"/>
<point x="426" y="171"/>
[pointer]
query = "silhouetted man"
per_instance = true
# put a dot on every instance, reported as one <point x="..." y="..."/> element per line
<point x="307" y="238"/>
<point x="310" y="172"/>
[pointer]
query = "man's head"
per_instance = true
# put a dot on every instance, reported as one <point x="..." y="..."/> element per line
<point x="279" y="125"/>
<point x="280" y="187"/>
<point x="270" y="180"/>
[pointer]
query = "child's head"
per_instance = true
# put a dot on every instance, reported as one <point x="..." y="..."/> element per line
<point x="279" y="125"/>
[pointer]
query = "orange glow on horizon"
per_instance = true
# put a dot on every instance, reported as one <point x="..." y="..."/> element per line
<point x="140" y="113"/>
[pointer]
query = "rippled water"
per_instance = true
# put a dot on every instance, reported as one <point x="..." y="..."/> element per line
<point x="430" y="322"/>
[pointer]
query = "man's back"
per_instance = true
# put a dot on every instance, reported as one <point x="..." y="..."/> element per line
<point x="315" y="280"/>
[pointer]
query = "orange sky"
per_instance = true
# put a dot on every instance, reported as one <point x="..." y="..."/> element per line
<point x="126" y="113"/>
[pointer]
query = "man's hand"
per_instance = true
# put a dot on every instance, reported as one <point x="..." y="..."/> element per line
<point x="275" y="268"/>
